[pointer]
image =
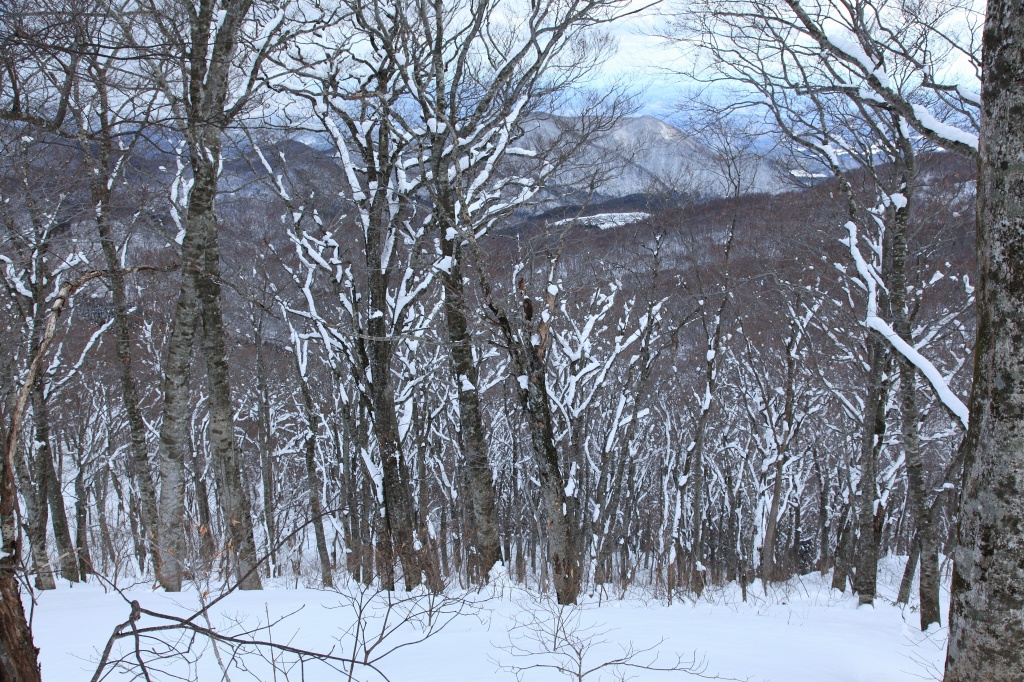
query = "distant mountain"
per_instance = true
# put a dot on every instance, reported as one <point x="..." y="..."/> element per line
<point x="645" y="155"/>
<point x="635" y="160"/>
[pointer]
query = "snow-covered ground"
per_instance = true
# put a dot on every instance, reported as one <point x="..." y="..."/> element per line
<point x="799" y="632"/>
<point x="605" y="221"/>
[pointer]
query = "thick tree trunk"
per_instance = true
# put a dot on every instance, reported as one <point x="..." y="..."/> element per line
<point x="987" y="621"/>
<point x="212" y="42"/>
<point x="472" y="436"/>
<point x="19" y="658"/>
<point x="400" y="519"/>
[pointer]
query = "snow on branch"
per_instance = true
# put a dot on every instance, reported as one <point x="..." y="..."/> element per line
<point x="930" y="372"/>
<point x="873" y="321"/>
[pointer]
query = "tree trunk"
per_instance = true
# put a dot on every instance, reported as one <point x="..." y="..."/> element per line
<point x="174" y="430"/>
<point x="823" y="518"/>
<point x="398" y="502"/>
<point x="896" y="277"/>
<point x="768" y="571"/>
<point x="19" y="658"/>
<point x="987" y="621"/>
<point x="313" y="481"/>
<point x="18" y="655"/>
<point x="138" y="457"/>
<point x="266" y="444"/>
<point x="207" y="544"/>
<point x="925" y="545"/>
<point x="908" y="573"/>
<point x="109" y="554"/>
<point x="472" y="437"/>
<point x="844" y="552"/>
<point x="559" y="509"/>
<point x="212" y="43"/>
<point x="234" y="498"/>
<point x="866" y="579"/>
<point x="82" y="524"/>
<point x="67" y="559"/>
<point x="37" y="515"/>
<point x="400" y="519"/>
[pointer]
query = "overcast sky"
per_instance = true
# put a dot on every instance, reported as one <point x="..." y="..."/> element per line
<point x="643" y="59"/>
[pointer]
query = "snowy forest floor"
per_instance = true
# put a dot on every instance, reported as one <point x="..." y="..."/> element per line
<point x="801" y="631"/>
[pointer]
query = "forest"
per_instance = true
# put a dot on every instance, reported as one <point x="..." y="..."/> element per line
<point x="404" y="300"/>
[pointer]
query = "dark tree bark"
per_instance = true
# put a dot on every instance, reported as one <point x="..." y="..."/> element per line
<point x="824" y="522"/>
<point x="84" y="557"/>
<point x="903" y="596"/>
<point x="37" y="514"/>
<point x="866" y="578"/>
<point x="265" y="442"/>
<point x="527" y="351"/>
<point x="472" y="436"/>
<point x="314" y="482"/>
<point x="910" y="419"/>
<point x="398" y="501"/>
<point x="769" y="571"/>
<point x="844" y="551"/>
<point x="987" y="619"/>
<point x="19" y="658"/>
<point x="234" y="497"/>
<point x="174" y="430"/>
<point x="138" y="461"/>
<point x="66" y="555"/>
<point x="209" y="52"/>
<point x="789" y="427"/>
<point x="207" y="543"/>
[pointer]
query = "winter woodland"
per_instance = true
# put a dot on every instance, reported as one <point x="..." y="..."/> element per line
<point x="337" y="332"/>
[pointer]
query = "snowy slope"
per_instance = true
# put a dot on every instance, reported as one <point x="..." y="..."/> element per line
<point x="604" y="221"/>
<point x="800" y="632"/>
